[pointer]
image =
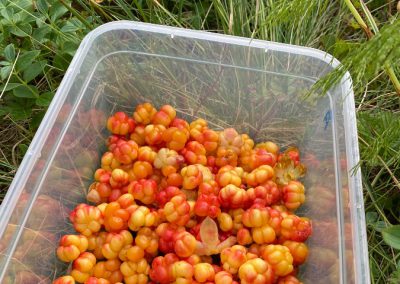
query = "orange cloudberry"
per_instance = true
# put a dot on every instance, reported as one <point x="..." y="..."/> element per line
<point x="71" y="246"/>
<point x="82" y="267"/>
<point x="204" y="272"/>
<point x="232" y="258"/>
<point x="164" y="116"/>
<point x="120" y="123"/>
<point x="296" y="228"/>
<point x="86" y="219"/>
<point x="144" y="113"/>
<point x="142" y="217"/>
<point x="144" y="190"/>
<point x="256" y="270"/>
<point x="260" y="175"/>
<point x="279" y="258"/>
<point x="298" y="250"/>
<point x="293" y="195"/>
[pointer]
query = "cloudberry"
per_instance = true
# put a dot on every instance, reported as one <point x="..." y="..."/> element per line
<point x="120" y="123"/>
<point x="256" y="271"/>
<point x="279" y="258"/>
<point x="144" y="113"/>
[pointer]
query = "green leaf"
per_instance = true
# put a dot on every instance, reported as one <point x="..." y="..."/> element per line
<point x="371" y="217"/>
<point x="45" y="99"/>
<point x="9" y="52"/>
<point x="4" y="110"/>
<point x="40" y="33"/>
<point x="17" y="17"/>
<point x="42" y="6"/>
<point x="22" y="30"/>
<point x="34" y="70"/>
<point x="22" y="4"/>
<point x="37" y="119"/>
<point x="26" y="92"/>
<point x="26" y="59"/>
<point x="56" y="11"/>
<point x="62" y="60"/>
<point x="24" y="17"/>
<point x="23" y="148"/>
<point x="5" y="72"/>
<point x="380" y="226"/>
<point x="70" y="47"/>
<point x="342" y="48"/>
<point x="69" y="27"/>
<point x="20" y="113"/>
<point x="7" y="13"/>
<point x="391" y="236"/>
<point x="18" y="108"/>
<point x="328" y="42"/>
<point x="9" y="87"/>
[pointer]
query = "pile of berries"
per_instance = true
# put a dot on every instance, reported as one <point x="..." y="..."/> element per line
<point x="178" y="202"/>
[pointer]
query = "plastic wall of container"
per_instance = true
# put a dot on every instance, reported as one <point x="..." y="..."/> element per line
<point x="255" y="86"/>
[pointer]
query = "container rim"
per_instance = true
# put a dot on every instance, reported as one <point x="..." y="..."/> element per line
<point x="352" y="151"/>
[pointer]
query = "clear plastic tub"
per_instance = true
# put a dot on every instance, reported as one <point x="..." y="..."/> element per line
<point x="252" y="85"/>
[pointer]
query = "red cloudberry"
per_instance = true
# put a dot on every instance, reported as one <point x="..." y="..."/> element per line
<point x="194" y="153"/>
<point x="264" y="195"/>
<point x="144" y="190"/>
<point x="120" y="123"/>
<point x="296" y="228"/>
<point x="161" y="271"/>
<point x="207" y="205"/>
<point x="125" y="152"/>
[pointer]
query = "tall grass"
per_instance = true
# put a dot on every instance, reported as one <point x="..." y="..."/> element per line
<point x="323" y="24"/>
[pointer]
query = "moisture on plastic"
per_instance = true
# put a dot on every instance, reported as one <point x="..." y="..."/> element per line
<point x="258" y="87"/>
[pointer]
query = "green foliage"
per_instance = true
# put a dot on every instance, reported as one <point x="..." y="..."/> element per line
<point x="39" y="38"/>
<point x="39" y="43"/>
<point x="366" y="59"/>
<point x="379" y="136"/>
<point x="297" y="22"/>
<point x="379" y="149"/>
<point x="391" y="236"/>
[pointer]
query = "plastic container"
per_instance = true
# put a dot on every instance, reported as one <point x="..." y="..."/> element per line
<point x="252" y="85"/>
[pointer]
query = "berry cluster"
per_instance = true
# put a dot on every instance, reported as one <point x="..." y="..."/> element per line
<point x="178" y="202"/>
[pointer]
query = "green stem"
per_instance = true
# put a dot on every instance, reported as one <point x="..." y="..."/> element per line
<point x="168" y="13"/>
<point x="370" y="18"/>
<point x="395" y="81"/>
<point x="76" y="14"/>
<point x="140" y="9"/>
<point x="388" y="69"/>
<point x="100" y="9"/>
<point x="358" y="17"/>
<point x="371" y="195"/>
